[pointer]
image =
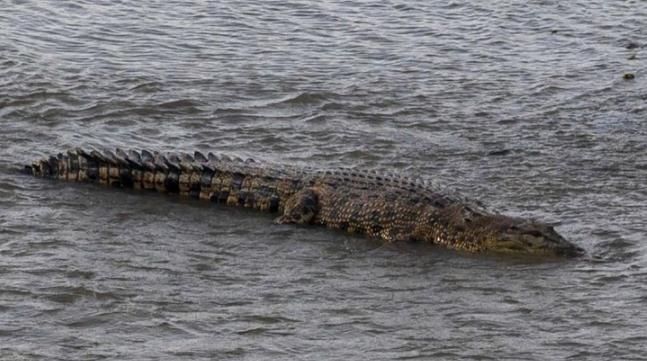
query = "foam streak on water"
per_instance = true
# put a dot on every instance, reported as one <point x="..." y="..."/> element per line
<point x="521" y="105"/>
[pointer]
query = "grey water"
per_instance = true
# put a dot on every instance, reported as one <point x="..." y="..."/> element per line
<point x="522" y="105"/>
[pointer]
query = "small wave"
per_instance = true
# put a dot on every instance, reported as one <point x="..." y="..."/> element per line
<point x="290" y="100"/>
<point x="264" y="319"/>
<point x="36" y="97"/>
<point x="147" y="87"/>
<point x="315" y="118"/>
<point x="182" y="104"/>
<point x="306" y="98"/>
<point x="69" y="295"/>
<point x="87" y="321"/>
<point x="617" y="250"/>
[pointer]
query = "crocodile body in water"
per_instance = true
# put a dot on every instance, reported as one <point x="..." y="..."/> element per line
<point x="388" y="207"/>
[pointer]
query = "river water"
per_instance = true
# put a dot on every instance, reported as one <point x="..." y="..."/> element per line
<point x="522" y="105"/>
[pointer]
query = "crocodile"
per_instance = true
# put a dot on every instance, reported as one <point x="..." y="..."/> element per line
<point x="385" y="206"/>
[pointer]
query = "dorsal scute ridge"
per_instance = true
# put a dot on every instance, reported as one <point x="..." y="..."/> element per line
<point x="186" y="158"/>
<point x="348" y="177"/>
<point x="110" y="157"/>
<point x="147" y="157"/>
<point x="134" y="156"/>
<point x="100" y="156"/>
<point x="161" y="165"/>
<point x="121" y="157"/>
<point x="121" y="153"/>
<point x="159" y="158"/>
<point x="199" y="157"/>
<point x="172" y="162"/>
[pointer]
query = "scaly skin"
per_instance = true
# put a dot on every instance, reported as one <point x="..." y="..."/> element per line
<point x="388" y="207"/>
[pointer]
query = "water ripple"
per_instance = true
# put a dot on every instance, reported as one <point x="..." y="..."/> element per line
<point x="523" y="106"/>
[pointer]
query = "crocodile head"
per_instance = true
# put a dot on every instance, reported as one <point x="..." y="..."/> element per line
<point x="470" y="228"/>
<point x="516" y="235"/>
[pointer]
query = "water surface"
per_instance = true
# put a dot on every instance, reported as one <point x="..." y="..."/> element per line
<point x="521" y="105"/>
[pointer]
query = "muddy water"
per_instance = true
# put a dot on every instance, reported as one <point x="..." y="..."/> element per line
<point x="522" y="106"/>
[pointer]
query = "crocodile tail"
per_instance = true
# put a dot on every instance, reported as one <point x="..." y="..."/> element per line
<point x="195" y="176"/>
<point x="62" y="166"/>
<point x="121" y="169"/>
<point x="78" y="165"/>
